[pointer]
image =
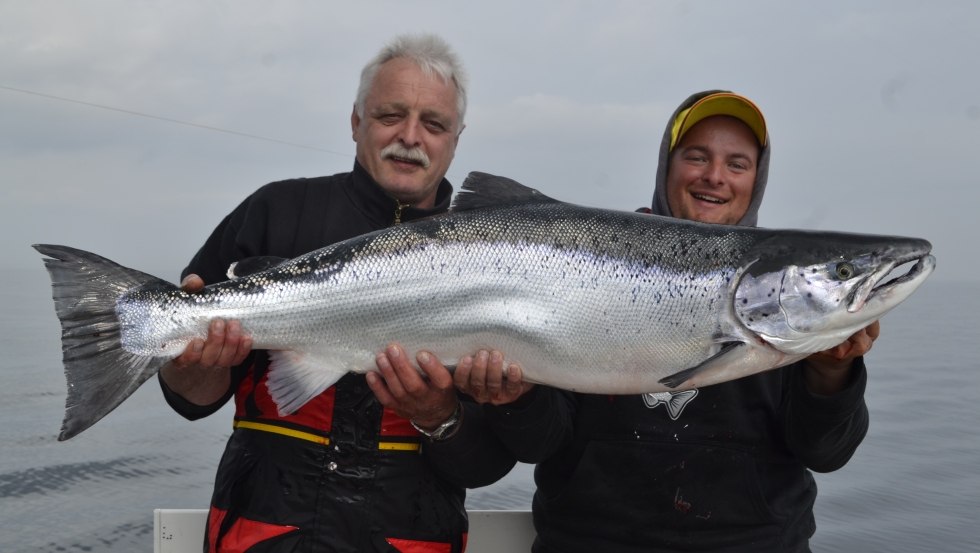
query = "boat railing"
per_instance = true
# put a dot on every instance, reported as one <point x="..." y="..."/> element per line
<point x="182" y="531"/>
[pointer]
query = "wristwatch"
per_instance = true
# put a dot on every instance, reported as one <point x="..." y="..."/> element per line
<point x="444" y="430"/>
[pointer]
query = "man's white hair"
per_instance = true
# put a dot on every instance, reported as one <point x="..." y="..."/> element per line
<point x="432" y="54"/>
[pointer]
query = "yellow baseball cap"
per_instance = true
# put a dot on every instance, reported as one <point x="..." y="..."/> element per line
<point x="720" y="103"/>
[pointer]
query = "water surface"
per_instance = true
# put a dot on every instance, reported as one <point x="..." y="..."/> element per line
<point x="912" y="486"/>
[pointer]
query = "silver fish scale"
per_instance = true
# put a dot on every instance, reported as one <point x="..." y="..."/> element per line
<point x="527" y="283"/>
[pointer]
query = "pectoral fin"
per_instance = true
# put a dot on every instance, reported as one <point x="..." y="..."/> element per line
<point x="735" y="360"/>
<point x="679" y="378"/>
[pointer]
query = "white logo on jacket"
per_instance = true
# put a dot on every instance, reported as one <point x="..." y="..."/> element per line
<point x="673" y="402"/>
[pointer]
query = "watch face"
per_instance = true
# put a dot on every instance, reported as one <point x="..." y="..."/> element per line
<point x="440" y="430"/>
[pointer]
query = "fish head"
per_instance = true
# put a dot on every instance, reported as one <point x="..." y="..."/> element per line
<point x="804" y="292"/>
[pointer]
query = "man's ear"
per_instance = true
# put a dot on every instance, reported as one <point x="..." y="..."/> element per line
<point x="355" y="122"/>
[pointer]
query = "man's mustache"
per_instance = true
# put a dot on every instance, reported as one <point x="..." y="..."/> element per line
<point x="406" y="154"/>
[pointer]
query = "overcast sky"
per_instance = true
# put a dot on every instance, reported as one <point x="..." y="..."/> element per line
<point x="873" y="109"/>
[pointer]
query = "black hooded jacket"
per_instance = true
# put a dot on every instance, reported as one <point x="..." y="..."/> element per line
<point x="724" y="468"/>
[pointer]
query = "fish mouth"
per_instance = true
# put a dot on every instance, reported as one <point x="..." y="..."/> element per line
<point x="894" y="275"/>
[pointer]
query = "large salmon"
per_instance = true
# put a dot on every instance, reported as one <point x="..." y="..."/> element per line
<point x="584" y="299"/>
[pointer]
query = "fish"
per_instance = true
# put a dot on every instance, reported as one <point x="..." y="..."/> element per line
<point x="582" y="298"/>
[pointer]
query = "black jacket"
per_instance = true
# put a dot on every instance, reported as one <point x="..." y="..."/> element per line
<point x="723" y="469"/>
<point x="342" y="473"/>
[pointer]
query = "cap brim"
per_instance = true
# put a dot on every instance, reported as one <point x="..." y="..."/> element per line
<point x="721" y="103"/>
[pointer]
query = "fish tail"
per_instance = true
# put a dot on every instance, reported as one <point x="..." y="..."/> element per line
<point x="100" y="373"/>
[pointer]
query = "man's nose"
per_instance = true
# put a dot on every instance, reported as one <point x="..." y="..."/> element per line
<point x="411" y="132"/>
<point x="714" y="174"/>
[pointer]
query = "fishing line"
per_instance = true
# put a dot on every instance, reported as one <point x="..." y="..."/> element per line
<point x="171" y="120"/>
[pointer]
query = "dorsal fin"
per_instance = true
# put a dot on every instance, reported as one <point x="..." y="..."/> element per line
<point x="481" y="190"/>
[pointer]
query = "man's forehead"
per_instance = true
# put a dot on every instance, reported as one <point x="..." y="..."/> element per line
<point x="406" y="87"/>
<point x="405" y="72"/>
<point x="697" y="138"/>
<point x="702" y="148"/>
<point x="397" y="104"/>
<point x="726" y="123"/>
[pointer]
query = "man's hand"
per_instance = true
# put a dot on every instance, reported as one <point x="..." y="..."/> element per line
<point x="483" y="378"/>
<point x="427" y="399"/>
<point x="201" y="373"/>
<point x="827" y="372"/>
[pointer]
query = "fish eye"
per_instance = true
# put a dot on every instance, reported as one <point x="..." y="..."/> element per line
<point x="844" y="270"/>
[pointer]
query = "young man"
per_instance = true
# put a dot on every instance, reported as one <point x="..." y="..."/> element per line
<point x="723" y="468"/>
<point x="344" y="472"/>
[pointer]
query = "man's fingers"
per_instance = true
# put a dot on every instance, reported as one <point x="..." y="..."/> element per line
<point x="433" y="368"/>
<point x="874" y="330"/>
<point x="478" y="374"/>
<point x="461" y="376"/>
<point x="385" y="361"/>
<point x="226" y="346"/>
<point x="244" y="348"/>
<point x="191" y="354"/>
<point x="230" y="345"/>
<point x="409" y="377"/>
<point x="380" y="389"/>
<point x="192" y="283"/>
<point x="861" y="343"/>
<point x="513" y="384"/>
<point x="214" y="344"/>
<point x="495" y="374"/>
<point x="400" y="386"/>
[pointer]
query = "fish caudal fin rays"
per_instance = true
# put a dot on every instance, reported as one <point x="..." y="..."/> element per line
<point x="297" y="377"/>
<point x="481" y="190"/>
<point x="99" y="372"/>
<point x="735" y="360"/>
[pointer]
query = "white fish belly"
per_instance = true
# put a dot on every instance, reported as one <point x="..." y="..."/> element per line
<point x="568" y="318"/>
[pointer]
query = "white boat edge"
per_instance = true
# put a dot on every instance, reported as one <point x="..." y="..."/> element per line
<point x="182" y="531"/>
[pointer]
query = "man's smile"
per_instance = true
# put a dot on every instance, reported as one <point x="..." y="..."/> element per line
<point x="709" y="199"/>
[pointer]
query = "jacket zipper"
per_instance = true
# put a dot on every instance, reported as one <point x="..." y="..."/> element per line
<point x="398" y="211"/>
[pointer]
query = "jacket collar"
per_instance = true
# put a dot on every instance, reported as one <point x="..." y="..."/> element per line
<point x="382" y="208"/>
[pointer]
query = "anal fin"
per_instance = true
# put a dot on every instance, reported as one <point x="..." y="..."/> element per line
<point x="297" y="377"/>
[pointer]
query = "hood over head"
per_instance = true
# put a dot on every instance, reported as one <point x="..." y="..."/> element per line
<point x="692" y="110"/>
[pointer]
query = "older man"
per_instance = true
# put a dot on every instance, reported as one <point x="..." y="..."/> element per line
<point x="344" y="472"/>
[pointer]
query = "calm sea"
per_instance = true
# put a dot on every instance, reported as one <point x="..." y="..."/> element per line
<point x="913" y="486"/>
